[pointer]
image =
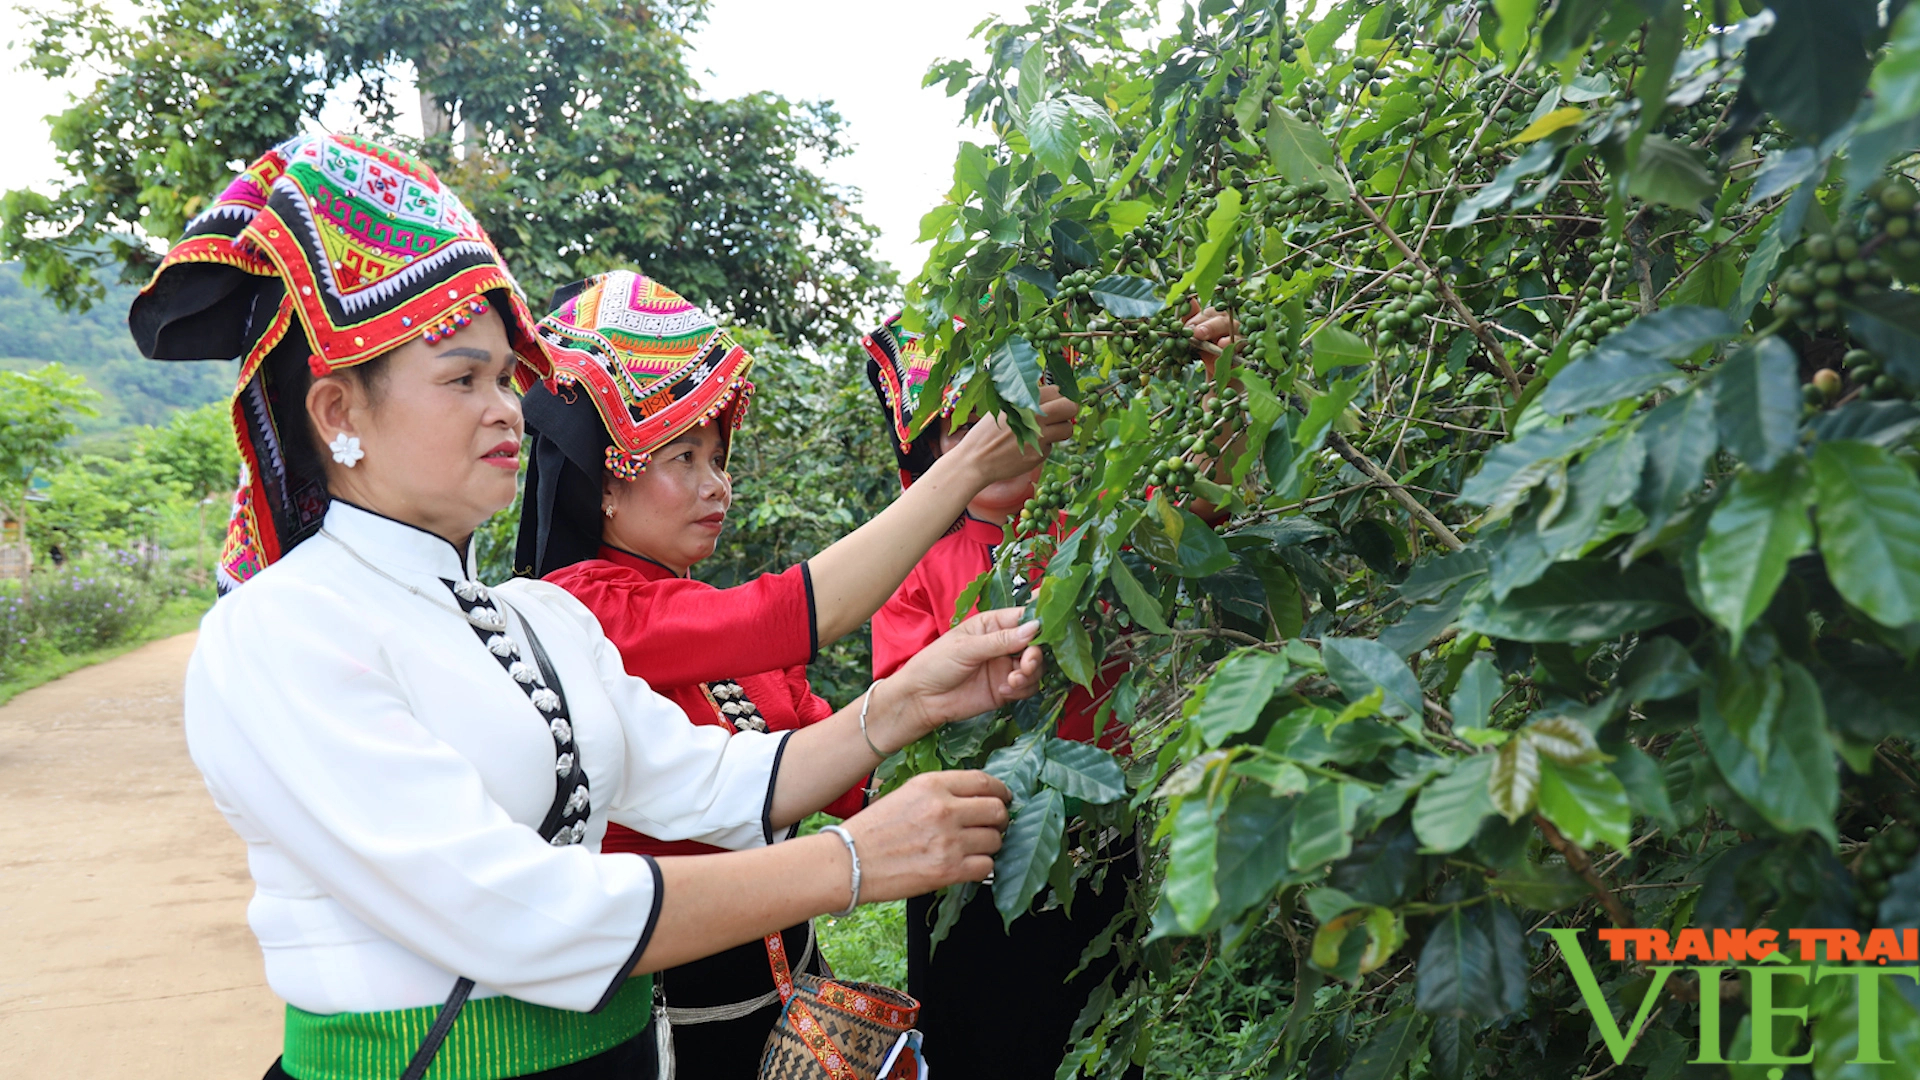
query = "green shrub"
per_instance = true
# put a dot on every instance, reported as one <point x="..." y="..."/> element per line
<point x="17" y="630"/>
<point x="92" y="606"/>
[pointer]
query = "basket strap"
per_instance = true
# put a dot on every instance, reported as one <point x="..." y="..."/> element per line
<point x="805" y="1025"/>
<point x="777" y="962"/>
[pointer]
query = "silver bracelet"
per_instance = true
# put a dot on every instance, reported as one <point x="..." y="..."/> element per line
<point x="864" y="702"/>
<point x="853" y="853"/>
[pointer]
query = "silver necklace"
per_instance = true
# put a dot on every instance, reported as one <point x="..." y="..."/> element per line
<point x="487" y="618"/>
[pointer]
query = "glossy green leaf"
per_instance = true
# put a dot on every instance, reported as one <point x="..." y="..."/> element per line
<point x="1324" y="410"/>
<point x="1127" y="296"/>
<point x="1457" y="973"/>
<point x="1810" y="69"/>
<point x="1190" y="890"/>
<point x="1658" y="668"/>
<point x="1140" y="604"/>
<point x="1323" y="824"/>
<point x="1840" y="1030"/>
<point x="1589" y="600"/>
<point x="1083" y="771"/>
<point x="1757" y="402"/>
<point x="1251" y="850"/>
<point x="1586" y="802"/>
<point x="1236" y="694"/>
<point x="1516" y="467"/>
<point x="1438" y="574"/>
<point x="1073" y="651"/>
<point x="1360" y="666"/>
<point x="1452" y="807"/>
<point x="1474" y="696"/>
<point x="1534" y="160"/>
<point x="1053" y="131"/>
<point x="1680" y="436"/>
<point x="1602" y="376"/>
<point x="1386" y="1054"/>
<point x="1018" y="766"/>
<point x="1637" y="358"/>
<point x="1335" y="347"/>
<point x="1015" y="367"/>
<point x="1869" y="515"/>
<point x="1300" y="152"/>
<point x="1760" y="525"/>
<point x="1027" y="853"/>
<point x="1211" y="259"/>
<point x="1799" y="787"/>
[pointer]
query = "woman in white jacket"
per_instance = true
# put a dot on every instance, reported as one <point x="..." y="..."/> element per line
<point x="422" y="767"/>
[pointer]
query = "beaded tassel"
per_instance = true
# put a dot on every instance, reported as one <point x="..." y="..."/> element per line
<point x="459" y="319"/>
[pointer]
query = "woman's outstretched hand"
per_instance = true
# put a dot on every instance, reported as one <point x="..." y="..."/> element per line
<point x="996" y="451"/>
<point x="979" y="665"/>
<point x="938" y="829"/>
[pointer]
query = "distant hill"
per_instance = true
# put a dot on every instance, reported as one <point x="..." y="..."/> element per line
<point x="95" y="343"/>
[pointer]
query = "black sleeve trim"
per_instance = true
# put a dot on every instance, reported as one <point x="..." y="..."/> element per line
<point x="621" y="976"/>
<point x="813" y="616"/>
<point x="773" y="781"/>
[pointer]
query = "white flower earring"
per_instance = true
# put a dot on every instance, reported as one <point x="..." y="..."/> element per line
<point x="607" y="509"/>
<point x="346" y="449"/>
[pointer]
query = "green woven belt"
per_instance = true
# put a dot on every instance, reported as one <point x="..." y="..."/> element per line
<point x="494" y="1038"/>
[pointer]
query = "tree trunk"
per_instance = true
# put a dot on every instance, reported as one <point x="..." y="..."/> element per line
<point x="436" y="120"/>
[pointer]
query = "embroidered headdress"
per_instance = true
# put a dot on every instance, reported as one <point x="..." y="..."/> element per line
<point x="359" y="246"/>
<point x="897" y="366"/>
<point x="634" y="366"/>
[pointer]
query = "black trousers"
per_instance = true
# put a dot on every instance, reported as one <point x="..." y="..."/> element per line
<point x="631" y="1060"/>
<point x="728" y="1049"/>
<point x="996" y="1003"/>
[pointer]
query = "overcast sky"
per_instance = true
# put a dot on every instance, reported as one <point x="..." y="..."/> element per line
<point x="866" y="56"/>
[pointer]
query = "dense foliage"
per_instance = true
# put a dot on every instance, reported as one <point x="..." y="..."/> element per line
<point x="116" y="538"/>
<point x="1571" y="575"/>
<point x="573" y="131"/>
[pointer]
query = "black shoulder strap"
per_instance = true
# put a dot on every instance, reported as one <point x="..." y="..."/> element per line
<point x="558" y="816"/>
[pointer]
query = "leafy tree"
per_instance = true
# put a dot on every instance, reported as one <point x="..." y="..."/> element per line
<point x="37" y="411"/>
<point x="1573" y="558"/>
<point x="196" y="450"/>
<point x="572" y="131"/>
<point x="98" y="501"/>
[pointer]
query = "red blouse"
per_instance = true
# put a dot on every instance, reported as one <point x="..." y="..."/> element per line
<point x="680" y="634"/>
<point x="921" y="610"/>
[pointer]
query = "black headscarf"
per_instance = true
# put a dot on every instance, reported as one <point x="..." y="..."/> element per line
<point x="560" y="519"/>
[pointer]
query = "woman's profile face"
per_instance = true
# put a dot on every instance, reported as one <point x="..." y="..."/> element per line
<point x="673" y="512"/>
<point x="440" y="429"/>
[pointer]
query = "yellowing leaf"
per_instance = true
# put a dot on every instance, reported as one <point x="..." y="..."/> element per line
<point x="1564" y="739"/>
<point x="1515" y="781"/>
<point x="1563" y="117"/>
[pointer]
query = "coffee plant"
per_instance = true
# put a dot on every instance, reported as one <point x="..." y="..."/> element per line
<point x="1569" y="573"/>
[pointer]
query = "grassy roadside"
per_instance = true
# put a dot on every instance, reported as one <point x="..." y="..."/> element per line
<point x="178" y="616"/>
<point x="869" y="945"/>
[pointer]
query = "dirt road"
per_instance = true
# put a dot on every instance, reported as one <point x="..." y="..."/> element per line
<point x="124" y="949"/>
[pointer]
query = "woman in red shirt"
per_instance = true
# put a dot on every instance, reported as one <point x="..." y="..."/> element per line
<point x="971" y="1032"/>
<point x="626" y="490"/>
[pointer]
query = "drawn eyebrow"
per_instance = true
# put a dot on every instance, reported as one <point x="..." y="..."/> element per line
<point x="468" y="353"/>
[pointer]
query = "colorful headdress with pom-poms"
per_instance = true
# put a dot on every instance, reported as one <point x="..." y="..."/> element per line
<point x="653" y="363"/>
<point x="363" y="249"/>
<point x="898" y="364"/>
